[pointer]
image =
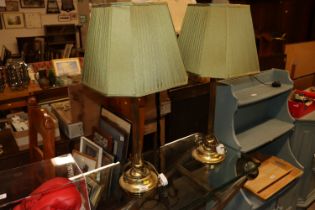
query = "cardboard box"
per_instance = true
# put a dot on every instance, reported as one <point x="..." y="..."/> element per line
<point x="20" y="130"/>
<point x="68" y="126"/>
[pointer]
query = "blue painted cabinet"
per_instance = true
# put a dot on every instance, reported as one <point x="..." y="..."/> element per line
<point x="303" y="147"/>
<point x="252" y="116"/>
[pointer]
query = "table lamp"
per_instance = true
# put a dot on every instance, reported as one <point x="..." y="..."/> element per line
<point x="132" y="51"/>
<point x="217" y="41"/>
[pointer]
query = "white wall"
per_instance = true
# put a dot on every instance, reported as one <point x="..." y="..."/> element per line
<point x="8" y="36"/>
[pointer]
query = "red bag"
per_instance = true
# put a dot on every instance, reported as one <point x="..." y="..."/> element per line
<point x="55" y="194"/>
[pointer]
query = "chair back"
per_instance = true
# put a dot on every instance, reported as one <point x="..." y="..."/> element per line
<point x="40" y="122"/>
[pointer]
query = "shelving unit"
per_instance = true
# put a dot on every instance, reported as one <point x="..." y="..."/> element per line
<point x="56" y="38"/>
<point x="252" y="117"/>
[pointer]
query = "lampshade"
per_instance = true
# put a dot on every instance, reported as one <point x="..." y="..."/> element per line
<point x="217" y="40"/>
<point x="132" y="50"/>
<point x="177" y="10"/>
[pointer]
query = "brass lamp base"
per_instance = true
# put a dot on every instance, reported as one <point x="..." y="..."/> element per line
<point x="139" y="180"/>
<point x="206" y="151"/>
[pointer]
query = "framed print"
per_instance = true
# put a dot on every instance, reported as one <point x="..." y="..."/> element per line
<point x="84" y="161"/>
<point x="95" y="190"/>
<point x="33" y="20"/>
<point x="13" y="20"/>
<point x="52" y="7"/>
<point x="103" y="139"/>
<point x="66" y="67"/>
<point x="114" y="118"/>
<point x="12" y="6"/>
<point x="64" y="18"/>
<point x="120" y="139"/>
<point x="91" y="149"/>
<point x="32" y="3"/>
<point x="67" y="5"/>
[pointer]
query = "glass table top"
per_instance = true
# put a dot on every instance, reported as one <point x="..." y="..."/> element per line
<point x="190" y="183"/>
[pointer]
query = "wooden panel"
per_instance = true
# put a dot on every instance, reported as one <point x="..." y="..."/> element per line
<point x="300" y="59"/>
<point x="274" y="174"/>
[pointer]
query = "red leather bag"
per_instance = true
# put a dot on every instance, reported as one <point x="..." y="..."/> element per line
<point x="55" y="194"/>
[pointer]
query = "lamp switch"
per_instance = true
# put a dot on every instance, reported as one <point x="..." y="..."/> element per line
<point x="220" y="149"/>
<point x="162" y="180"/>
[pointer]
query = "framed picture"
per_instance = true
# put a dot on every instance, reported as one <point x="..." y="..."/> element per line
<point x="66" y="66"/>
<point x="84" y="161"/>
<point x="120" y="139"/>
<point x="67" y="5"/>
<point x="103" y="139"/>
<point x="91" y="149"/>
<point x="32" y="3"/>
<point x="13" y="20"/>
<point x="52" y="7"/>
<point x="33" y="20"/>
<point x="12" y="6"/>
<point x="95" y="191"/>
<point x="116" y="119"/>
<point x="64" y="18"/>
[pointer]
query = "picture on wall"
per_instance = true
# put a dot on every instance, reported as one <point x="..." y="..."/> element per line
<point x="12" y="6"/>
<point x="32" y="3"/>
<point x="13" y="20"/>
<point x="52" y="7"/>
<point x="33" y="20"/>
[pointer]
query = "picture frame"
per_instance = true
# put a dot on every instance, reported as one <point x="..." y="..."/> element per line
<point x="121" y="122"/>
<point x="66" y="67"/>
<point x="103" y="139"/>
<point x="32" y="3"/>
<point x="84" y="161"/>
<point x="13" y="20"/>
<point x="52" y="7"/>
<point x="91" y="149"/>
<point x="12" y="6"/>
<point x="94" y="190"/>
<point x="120" y="138"/>
<point x="33" y="20"/>
<point x="64" y="18"/>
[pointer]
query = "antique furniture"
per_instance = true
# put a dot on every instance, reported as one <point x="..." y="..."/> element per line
<point x="42" y="123"/>
<point x="252" y="118"/>
<point x="303" y="147"/>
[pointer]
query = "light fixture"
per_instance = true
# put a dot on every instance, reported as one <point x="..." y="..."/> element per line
<point x="217" y="41"/>
<point x="132" y="51"/>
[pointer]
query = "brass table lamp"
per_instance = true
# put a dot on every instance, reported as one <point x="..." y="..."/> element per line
<point x="217" y="41"/>
<point x="132" y="51"/>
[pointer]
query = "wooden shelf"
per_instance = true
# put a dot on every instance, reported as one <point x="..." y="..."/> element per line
<point x="259" y="92"/>
<point x="262" y="134"/>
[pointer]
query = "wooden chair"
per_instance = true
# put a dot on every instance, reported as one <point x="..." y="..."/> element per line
<point x="40" y="122"/>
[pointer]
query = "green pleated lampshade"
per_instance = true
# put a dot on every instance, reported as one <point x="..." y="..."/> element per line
<point x="218" y="41"/>
<point x="132" y="50"/>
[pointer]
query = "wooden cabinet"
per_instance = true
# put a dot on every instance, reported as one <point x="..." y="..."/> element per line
<point x="252" y="117"/>
<point x="10" y="99"/>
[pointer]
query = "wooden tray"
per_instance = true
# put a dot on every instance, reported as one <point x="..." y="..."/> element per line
<point x="274" y="174"/>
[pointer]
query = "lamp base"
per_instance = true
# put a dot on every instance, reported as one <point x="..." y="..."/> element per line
<point x="206" y="151"/>
<point x="139" y="180"/>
